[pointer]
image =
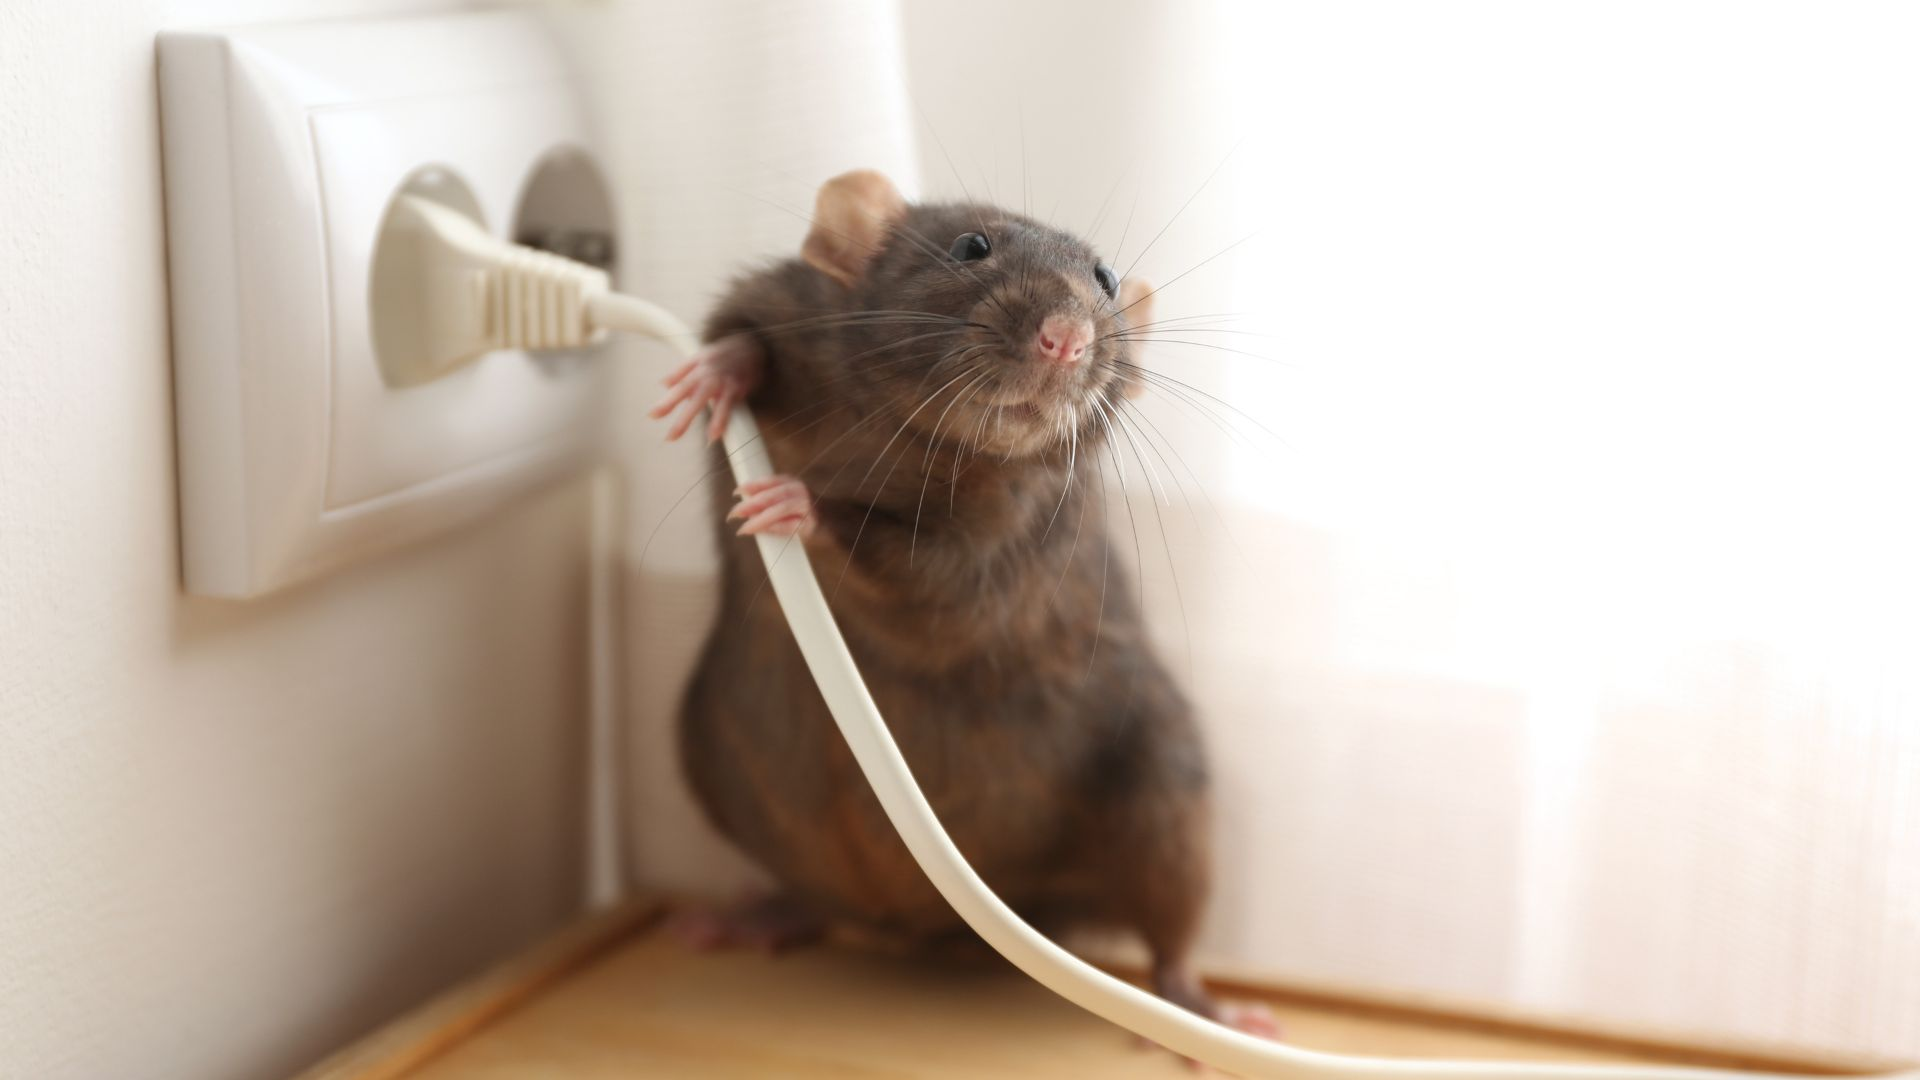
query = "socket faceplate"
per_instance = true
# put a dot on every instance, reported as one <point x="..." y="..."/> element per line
<point x="283" y="146"/>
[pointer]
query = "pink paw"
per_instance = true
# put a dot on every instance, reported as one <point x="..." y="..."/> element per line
<point x="772" y="925"/>
<point x="1257" y="1020"/>
<point x="775" y="505"/>
<point x="701" y="931"/>
<point x="1251" y="1019"/>
<point x="720" y="375"/>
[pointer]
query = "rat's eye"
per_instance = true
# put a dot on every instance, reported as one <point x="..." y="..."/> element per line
<point x="970" y="246"/>
<point x="1103" y="274"/>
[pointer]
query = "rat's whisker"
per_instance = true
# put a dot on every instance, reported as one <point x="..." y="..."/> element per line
<point x="1127" y="228"/>
<point x="828" y="315"/>
<point x="965" y="392"/>
<point x="1155" y="487"/>
<point x="1143" y="333"/>
<point x="933" y="251"/>
<point x="861" y="486"/>
<point x="1100" y="215"/>
<point x="1216" y="347"/>
<point x="968" y="195"/>
<point x="1020" y="118"/>
<point x="1173" y="390"/>
<point x="1171" y="319"/>
<point x="1206" y="497"/>
<point x="1150" y="293"/>
<point x="875" y="320"/>
<point x="927" y="474"/>
<point x="1216" y="399"/>
<point x="814" y="223"/>
<point x="1126" y="501"/>
<point x="1073" y="446"/>
<point x="726" y="459"/>
<point x="872" y="417"/>
<point x="942" y="144"/>
<point x="925" y="377"/>
<point x="1106" y="557"/>
<point x="929" y="336"/>
<point x="1166" y="543"/>
<point x="1073" y="546"/>
<point x="961" y="454"/>
<point x="1141" y="423"/>
<point x="1183" y="209"/>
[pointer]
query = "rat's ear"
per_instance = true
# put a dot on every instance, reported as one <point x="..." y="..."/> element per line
<point x="851" y="217"/>
<point x="1136" y="299"/>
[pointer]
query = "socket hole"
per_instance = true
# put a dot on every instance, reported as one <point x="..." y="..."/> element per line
<point x="566" y="209"/>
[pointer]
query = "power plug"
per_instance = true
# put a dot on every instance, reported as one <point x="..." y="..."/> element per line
<point x="446" y="292"/>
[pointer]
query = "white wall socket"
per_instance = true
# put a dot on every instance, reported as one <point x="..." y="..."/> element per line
<point x="283" y="146"/>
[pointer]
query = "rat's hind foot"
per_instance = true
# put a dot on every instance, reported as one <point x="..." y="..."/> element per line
<point x="1181" y="988"/>
<point x="775" y="505"/>
<point x="772" y="924"/>
<point x="721" y="374"/>
<point x="1252" y="1018"/>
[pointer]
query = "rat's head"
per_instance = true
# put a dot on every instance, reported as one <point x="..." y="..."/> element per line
<point x="987" y="326"/>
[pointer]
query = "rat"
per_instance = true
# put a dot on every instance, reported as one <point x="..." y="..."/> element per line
<point x="934" y="383"/>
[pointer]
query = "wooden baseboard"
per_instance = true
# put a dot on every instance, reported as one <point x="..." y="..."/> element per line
<point x="1492" y="1020"/>
<point x="416" y="1037"/>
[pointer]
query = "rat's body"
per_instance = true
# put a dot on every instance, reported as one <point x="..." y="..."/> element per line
<point x="944" y="478"/>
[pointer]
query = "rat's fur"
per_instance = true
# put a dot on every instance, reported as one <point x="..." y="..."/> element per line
<point x="989" y="617"/>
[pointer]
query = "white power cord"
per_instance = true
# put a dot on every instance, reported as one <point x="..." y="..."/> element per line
<point x="497" y="295"/>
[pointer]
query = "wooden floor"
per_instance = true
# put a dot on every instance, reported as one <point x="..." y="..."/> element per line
<point x="614" y="999"/>
<point x="656" y="1009"/>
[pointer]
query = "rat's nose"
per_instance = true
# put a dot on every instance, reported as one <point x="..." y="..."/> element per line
<point x="1062" y="339"/>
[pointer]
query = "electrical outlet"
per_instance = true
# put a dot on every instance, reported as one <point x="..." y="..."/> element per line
<point x="283" y="147"/>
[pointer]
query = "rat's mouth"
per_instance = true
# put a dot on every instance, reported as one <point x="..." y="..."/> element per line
<point x="1045" y="412"/>
<point x="1026" y="407"/>
<point x="1050" y="405"/>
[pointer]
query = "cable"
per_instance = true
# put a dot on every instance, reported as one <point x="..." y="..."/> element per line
<point x="580" y="314"/>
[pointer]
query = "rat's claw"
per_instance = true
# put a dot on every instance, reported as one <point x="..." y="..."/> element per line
<point x="776" y="505"/>
<point x="679" y="373"/>
<point x="695" y="400"/>
<point x="758" y="495"/>
<point x="719" y="377"/>
<point x="793" y="518"/>
<point x="682" y="389"/>
<point x="722" y="412"/>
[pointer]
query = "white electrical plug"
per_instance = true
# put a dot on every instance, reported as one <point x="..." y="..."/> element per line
<point x="446" y="292"/>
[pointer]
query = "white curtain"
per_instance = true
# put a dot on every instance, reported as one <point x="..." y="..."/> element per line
<point x="1553" y="603"/>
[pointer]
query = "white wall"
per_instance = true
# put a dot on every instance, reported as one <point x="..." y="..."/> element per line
<point x="1557" y="653"/>
<point x="232" y="836"/>
<point x="720" y="118"/>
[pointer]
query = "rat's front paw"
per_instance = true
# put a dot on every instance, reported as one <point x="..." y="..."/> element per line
<point x="721" y="375"/>
<point x="775" y="505"/>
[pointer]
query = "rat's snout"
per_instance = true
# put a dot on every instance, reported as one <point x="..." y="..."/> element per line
<point x="1062" y="339"/>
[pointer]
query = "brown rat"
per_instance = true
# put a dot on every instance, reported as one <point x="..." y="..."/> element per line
<point x="934" y="383"/>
